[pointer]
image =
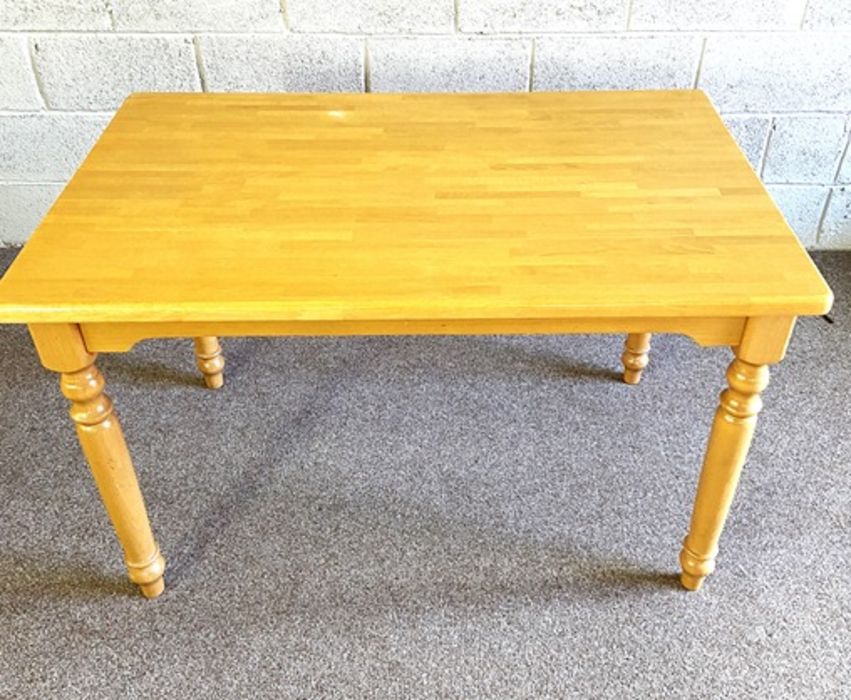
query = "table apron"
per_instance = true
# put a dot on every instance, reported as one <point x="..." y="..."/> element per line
<point x="116" y="336"/>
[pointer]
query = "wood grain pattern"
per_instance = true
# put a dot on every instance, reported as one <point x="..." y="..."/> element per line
<point x="100" y="435"/>
<point x="284" y="207"/>
<point x="765" y="339"/>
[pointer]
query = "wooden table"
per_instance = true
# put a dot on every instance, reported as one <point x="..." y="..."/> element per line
<point x="204" y="215"/>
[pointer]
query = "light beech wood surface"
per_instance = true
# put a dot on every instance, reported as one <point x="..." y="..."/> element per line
<point x="234" y="207"/>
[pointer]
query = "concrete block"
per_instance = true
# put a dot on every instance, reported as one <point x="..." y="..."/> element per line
<point x="804" y="149"/>
<point x="66" y="15"/>
<point x="283" y="63"/>
<point x="485" y="16"/>
<point x="750" y="133"/>
<point x="372" y="16"/>
<point x="449" y="65"/>
<point x="18" y="89"/>
<point x="615" y="62"/>
<point x="778" y="71"/>
<point x="198" y="15"/>
<point x="828" y="14"/>
<point x="836" y="227"/>
<point x="42" y="147"/>
<point x="801" y="206"/>
<point x="23" y="207"/>
<point x="716" y="14"/>
<point x="97" y="71"/>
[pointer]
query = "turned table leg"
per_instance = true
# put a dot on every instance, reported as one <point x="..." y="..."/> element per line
<point x="62" y="349"/>
<point x="763" y="343"/>
<point x="729" y="441"/>
<point x="635" y="357"/>
<point x="211" y="361"/>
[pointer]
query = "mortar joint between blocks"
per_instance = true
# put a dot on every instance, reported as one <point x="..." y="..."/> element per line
<point x="367" y="78"/>
<point x="823" y="215"/>
<point x="36" y="76"/>
<point x="765" y="146"/>
<point x="699" y="63"/>
<point x="199" y="63"/>
<point x="532" y="66"/>
<point x="285" y="17"/>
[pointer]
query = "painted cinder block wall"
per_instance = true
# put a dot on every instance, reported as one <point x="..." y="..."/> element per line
<point x="779" y="71"/>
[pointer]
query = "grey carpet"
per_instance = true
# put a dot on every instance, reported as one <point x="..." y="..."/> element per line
<point x="491" y="517"/>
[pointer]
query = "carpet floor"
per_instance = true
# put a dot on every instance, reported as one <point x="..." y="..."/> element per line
<point x="494" y="517"/>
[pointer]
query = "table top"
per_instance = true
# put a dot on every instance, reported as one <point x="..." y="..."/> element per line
<point x="222" y="207"/>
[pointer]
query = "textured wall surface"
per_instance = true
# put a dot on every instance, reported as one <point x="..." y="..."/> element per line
<point x="779" y="71"/>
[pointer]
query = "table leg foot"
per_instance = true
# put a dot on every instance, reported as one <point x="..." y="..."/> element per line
<point x="692" y="583"/>
<point x="635" y="357"/>
<point x="148" y="575"/>
<point x="729" y="440"/>
<point x="210" y="360"/>
<point x="152" y="590"/>
<point x="695" y="567"/>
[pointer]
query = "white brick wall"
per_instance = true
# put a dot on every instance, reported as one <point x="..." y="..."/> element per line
<point x="778" y="70"/>
<point x="196" y="15"/>
<point x="281" y="63"/>
<point x="616" y="61"/>
<point x="18" y="89"/>
<point x="449" y="64"/>
<point x="97" y="71"/>
<point x="751" y="133"/>
<point x="371" y="16"/>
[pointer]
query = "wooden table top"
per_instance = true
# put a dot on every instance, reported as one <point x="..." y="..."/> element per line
<point x="223" y="207"/>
